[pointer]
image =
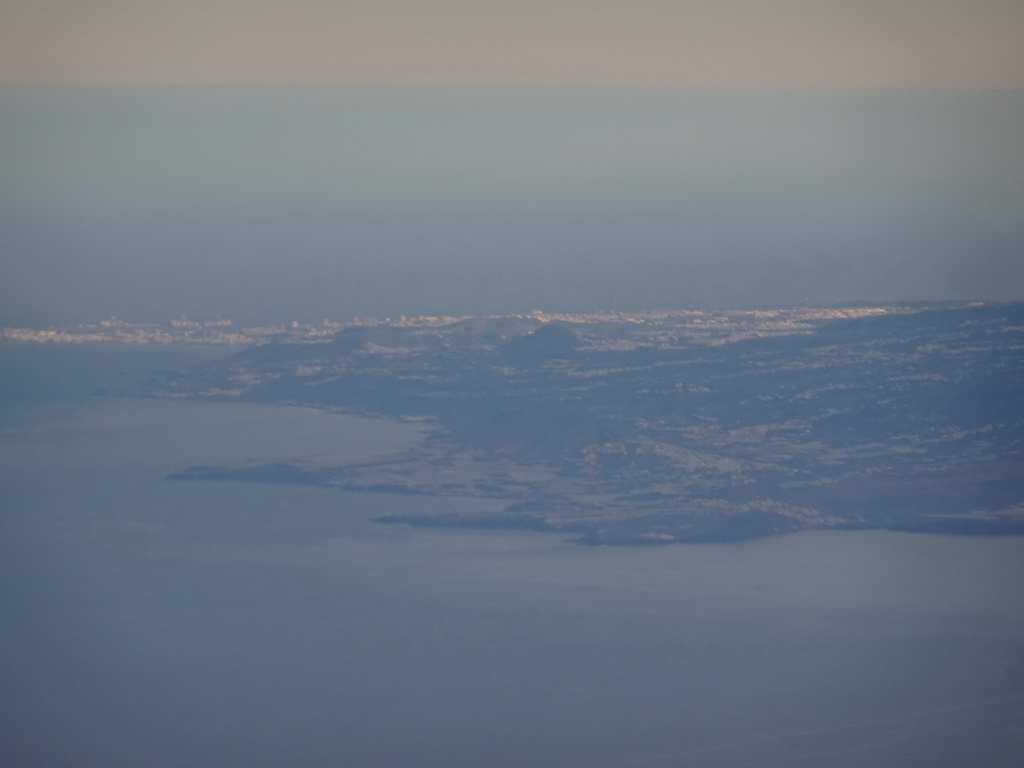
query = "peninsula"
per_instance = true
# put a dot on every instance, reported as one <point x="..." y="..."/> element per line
<point x="673" y="426"/>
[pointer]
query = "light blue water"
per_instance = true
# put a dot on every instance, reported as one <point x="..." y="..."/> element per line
<point x="148" y="622"/>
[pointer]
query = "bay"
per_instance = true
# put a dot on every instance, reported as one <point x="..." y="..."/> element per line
<point x="165" y="623"/>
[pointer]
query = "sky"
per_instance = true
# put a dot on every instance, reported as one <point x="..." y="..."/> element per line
<point x="268" y="161"/>
<point x="523" y="42"/>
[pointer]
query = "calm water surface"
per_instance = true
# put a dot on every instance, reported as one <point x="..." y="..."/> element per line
<point x="149" y="622"/>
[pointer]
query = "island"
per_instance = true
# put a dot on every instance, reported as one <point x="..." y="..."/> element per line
<point x="668" y="426"/>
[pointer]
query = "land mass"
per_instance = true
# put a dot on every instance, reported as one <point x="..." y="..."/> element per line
<point x="675" y="426"/>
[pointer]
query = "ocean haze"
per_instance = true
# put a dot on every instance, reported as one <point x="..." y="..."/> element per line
<point x="266" y="204"/>
<point x="177" y="589"/>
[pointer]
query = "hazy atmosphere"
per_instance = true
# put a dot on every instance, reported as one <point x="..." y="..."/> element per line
<point x="727" y="470"/>
<point x="266" y="161"/>
<point x="526" y="42"/>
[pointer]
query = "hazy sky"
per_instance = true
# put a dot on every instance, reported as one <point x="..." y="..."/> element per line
<point x="457" y="157"/>
<point x="526" y="42"/>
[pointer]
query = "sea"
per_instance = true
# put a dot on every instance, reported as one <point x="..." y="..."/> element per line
<point x="159" y="623"/>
